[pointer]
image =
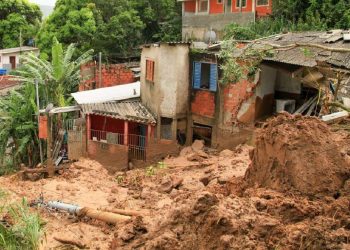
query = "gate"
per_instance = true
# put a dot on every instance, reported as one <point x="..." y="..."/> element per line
<point x="137" y="147"/>
<point x="75" y="139"/>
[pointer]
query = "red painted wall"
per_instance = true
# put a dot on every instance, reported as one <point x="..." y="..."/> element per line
<point x="112" y="125"/>
<point x="190" y="6"/>
<point x="112" y="74"/>
<point x="204" y="103"/>
<point x="215" y="7"/>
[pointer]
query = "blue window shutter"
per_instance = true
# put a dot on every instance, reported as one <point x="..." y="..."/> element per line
<point x="197" y="67"/>
<point x="213" y="77"/>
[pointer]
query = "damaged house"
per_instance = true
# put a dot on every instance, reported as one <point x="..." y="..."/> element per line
<point x="305" y="74"/>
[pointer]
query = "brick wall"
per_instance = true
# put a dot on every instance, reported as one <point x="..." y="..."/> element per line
<point x="203" y="103"/>
<point x="113" y="157"/>
<point x="112" y="74"/>
<point x="234" y="96"/>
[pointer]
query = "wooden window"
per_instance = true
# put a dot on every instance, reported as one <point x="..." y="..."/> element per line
<point x="262" y="2"/>
<point x="203" y="6"/>
<point x="205" y="76"/>
<point x="150" y="70"/>
<point x="244" y="3"/>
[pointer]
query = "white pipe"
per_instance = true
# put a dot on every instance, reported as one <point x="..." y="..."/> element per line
<point x="72" y="209"/>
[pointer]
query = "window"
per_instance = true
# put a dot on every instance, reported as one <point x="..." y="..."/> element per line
<point x="205" y="76"/>
<point x="166" y="128"/>
<point x="220" y="1"/>
<point x="262" y="2"/>
<point x="149" y="70"/>
<point x="244" y="3"/>
<point x="203" y="6"/>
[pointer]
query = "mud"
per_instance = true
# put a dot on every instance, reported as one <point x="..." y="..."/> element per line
<point x="198" y="200"/>
<point x="295" y="153"/>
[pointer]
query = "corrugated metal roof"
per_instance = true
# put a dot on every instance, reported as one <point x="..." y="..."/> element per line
<point x="18" y="49"/>
<point x="115" y="93"/>
<point x="126" y="110"/>
<point x="307" y="55"/>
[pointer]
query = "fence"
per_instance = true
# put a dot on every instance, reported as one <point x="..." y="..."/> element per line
<point x="137" y="147"/>
<point x="137" y="144"/>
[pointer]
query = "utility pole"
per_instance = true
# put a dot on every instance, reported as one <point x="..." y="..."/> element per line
<point x="38" y="105"/>
<point x="50" y="167"/>
<point x="100" y="69"/>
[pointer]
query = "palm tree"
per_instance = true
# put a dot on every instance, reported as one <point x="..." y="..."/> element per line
<point x="57" y="79"/>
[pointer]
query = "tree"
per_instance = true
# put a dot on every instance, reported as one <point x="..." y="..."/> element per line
<point x="113" y="27"/>
<point x="16" y="17"/>
<point x="70" y="22"/>
<point x="57" y="79"/>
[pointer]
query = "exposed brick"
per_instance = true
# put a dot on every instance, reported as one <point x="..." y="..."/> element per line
<point x="112" y="75"/>
<point x="204" y="103"/>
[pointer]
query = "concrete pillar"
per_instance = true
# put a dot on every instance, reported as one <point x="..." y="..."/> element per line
<point x="174" y="129"/>
<point x="88" y="127"/>
<point x="126" y="132"/>
<point x="149" y="132"/>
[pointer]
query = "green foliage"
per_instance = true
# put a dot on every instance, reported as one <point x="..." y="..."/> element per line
<point x="237" y="32"/>
<point x="18" y="112"/>
<point x="18" y="16"/>
<point x="295" y="15"/>
<point x="152" y="170"/>
<point x="26" y="231"/>
<point x="70" y="22"/>
<point x="240" y="63"/>
<point x="113" y="27"/>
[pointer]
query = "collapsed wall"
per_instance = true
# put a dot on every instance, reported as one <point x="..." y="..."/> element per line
<point x="299" y="154"/>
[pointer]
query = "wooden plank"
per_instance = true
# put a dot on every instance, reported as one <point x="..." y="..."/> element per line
<point x="312" y="107"/>
<point x="335" y="116"/>
<point x="305" y="105"/>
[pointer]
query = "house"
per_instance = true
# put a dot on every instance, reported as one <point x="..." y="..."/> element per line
<point x="204" y="20"/>
<point x="116" y="129"/>
<point x="10" y="58"/>
<point x="307" y="71"/>
<point x="165" y="87"/>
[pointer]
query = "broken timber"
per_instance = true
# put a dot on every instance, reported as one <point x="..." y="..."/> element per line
<point x="335" y="116"/>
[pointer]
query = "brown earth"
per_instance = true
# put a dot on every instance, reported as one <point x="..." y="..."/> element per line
<point x="300" y="154"/>
<point x="202" y="199"/>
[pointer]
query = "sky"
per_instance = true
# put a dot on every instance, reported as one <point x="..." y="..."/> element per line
<point x="44" y="2"/>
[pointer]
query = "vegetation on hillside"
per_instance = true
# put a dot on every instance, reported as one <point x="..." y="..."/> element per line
<point x="295" y="15"/>
<point x="113" y="27"/>
<point x="18" y="18"/>
<point x="18" y="111"/>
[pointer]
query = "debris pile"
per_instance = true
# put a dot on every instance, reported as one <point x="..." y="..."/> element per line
<point x="295" y="153"/>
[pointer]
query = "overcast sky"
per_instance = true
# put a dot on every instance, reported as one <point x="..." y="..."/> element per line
<point x="44" y="2"/>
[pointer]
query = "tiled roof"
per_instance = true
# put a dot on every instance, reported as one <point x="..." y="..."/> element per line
<point x="131" y="110"/>
<point x="308" y="55"/>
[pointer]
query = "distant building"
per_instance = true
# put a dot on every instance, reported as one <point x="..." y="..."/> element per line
<point x="9" y="58"/>
<point x="205" y="19"/>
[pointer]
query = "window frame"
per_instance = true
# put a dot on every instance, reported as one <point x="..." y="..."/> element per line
<point x="262" y="5"/>
<point x="220" y="1"/>
<point x="150" y="75"/>
<point x="213" y="68"/>
<point x="243" y="7"/>
<point x="199" y="5"/>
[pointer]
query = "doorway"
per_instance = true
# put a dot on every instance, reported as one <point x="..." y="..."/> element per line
<point x="13" y="62"/>
<point x="202" y="132"/>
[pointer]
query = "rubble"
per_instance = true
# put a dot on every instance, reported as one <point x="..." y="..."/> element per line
<point x="214" y="203"/>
